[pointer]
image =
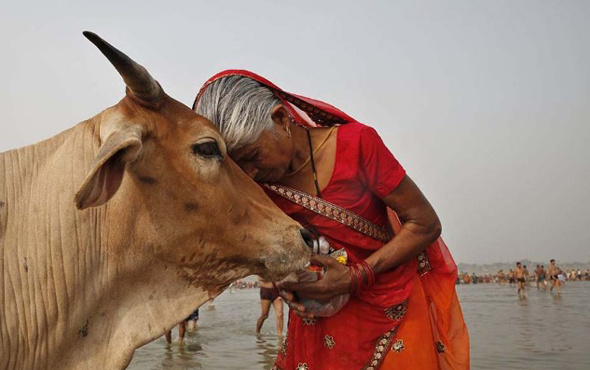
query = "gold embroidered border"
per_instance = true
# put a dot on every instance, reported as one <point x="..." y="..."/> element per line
<point x="397" y="312"/>
<point x="383" y="345"/>
<point x="332" y="211"/>
<point x="423" y="263"/>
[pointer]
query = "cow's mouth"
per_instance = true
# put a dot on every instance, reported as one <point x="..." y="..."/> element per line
<point x="284" y="266"/>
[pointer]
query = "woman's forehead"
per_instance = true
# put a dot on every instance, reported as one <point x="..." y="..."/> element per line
<point x="265" y="142"/>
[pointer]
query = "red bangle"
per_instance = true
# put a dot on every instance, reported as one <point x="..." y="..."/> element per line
<point x="356" y="274"/>
<point x="361" y="281"/>
<point x="356" y="279"/>
<point x="369" y="272"/>
<point x="362" y="276"/>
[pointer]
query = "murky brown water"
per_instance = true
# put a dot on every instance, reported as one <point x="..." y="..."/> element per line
<point x="542" y="332"/>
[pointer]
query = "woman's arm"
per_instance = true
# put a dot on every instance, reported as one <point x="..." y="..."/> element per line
<point x="420" y="227"/>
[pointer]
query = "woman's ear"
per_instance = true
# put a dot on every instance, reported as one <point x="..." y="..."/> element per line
<point x="280" y="115"/>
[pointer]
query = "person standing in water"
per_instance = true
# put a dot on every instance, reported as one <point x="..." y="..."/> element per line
<point x="511" y="279"/>
<point x="182" y="326"/>
<point x="181" y="331"/>
<point x="520" y="275"/>
<point x="554" y="277"/>
<point x="194" y="317"/>
<point x="269" y="294"/>
<point x="526" y="275"/>
<point x="541" y="275"/>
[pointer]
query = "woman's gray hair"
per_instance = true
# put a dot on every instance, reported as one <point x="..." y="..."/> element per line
<point x="240" y="107"/>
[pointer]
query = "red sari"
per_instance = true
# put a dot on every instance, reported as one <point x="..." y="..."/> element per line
<point x="410" y="318"/>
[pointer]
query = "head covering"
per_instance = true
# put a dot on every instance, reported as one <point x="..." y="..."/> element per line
<point x="304" y="111"/>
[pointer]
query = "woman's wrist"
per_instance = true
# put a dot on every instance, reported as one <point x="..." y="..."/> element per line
<point x="362" y="276"/>
<point x="369" y="273"/>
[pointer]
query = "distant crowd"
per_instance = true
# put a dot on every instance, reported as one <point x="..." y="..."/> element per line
<point x="538" y="275"/>
<point x="243" y="284"/>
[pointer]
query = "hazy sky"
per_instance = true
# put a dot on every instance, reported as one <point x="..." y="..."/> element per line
<point x="485" y="103"/>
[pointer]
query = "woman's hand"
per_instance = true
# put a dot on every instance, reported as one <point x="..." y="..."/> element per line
<point x="297" y="307"/>
<point x="336" y="281"/>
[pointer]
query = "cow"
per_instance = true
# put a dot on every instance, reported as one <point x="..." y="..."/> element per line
<point x="115" y="230"/>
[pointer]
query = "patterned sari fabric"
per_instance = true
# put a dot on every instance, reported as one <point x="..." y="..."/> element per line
<point x="411" y="317"/>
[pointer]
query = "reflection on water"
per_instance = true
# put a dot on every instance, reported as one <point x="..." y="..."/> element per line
<point x="267" y="350"/>
<point x="543" y="331"/>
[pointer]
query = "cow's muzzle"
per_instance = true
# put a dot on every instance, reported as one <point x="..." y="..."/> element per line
<point x="289" y="258"/>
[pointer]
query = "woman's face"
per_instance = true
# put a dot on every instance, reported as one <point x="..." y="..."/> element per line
<point x="267" y="159"/>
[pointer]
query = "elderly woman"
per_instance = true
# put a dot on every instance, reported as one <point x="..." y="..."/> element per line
<point x="336" y="177"/>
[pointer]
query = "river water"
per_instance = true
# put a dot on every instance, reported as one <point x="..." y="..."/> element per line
<point x="544" y="331"/>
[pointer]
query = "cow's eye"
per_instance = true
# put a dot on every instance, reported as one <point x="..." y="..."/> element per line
<point x="207" y="149"/>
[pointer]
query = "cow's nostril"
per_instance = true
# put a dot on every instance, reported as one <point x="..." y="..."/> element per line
<point x="307" y="238"/>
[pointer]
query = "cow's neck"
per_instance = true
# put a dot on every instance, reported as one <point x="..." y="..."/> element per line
<point x="130" y="311"/>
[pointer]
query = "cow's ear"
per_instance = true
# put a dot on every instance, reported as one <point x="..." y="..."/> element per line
<point x="120" y="147"/>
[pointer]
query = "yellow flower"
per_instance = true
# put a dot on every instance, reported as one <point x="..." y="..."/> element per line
<point x="341" y="259"/>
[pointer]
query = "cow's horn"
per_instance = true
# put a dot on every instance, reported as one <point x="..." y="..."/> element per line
<point x="137" y="78"/>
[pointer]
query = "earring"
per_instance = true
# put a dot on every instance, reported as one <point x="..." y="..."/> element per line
<point x="288" y="129"/>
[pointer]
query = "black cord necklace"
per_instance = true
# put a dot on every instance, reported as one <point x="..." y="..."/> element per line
<point x="315" y="175"/>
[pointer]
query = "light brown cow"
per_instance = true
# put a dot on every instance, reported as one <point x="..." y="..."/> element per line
<point x="165" y="221"/>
